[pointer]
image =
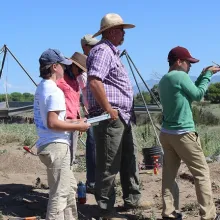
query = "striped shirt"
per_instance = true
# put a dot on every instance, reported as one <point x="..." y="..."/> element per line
<point x="104" y="63"/>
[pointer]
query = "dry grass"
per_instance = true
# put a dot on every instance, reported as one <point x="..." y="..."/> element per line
<point x="24" y="134"/>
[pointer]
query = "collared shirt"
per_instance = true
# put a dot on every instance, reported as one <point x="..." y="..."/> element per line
<point x="104" y="63"/>
<point x="82" y="80"/>
<point x="70" y="88"/>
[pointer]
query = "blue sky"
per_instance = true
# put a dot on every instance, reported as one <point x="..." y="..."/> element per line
<point x="30" y="27"/>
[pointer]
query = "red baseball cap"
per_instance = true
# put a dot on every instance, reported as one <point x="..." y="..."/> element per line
<point x="182" y="54"/>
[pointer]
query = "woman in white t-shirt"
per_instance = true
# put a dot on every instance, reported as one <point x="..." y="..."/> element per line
<point x="53" y="131"/>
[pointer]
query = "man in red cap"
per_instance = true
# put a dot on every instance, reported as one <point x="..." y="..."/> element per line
<point x="178" y="135"/>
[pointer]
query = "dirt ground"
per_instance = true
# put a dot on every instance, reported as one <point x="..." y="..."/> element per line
<point x="24" y="191"/>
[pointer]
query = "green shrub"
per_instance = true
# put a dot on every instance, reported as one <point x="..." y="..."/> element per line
<point x="145" y="136"/>
<point x="24" y="134"/>
<point x="209" y="137"/>
<point x="204" y="117"/>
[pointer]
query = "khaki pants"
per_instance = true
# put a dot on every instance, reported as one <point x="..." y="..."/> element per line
<point x="74" y="136"/>
<point x="61" y="181"/>
<point x="185" y="147"/>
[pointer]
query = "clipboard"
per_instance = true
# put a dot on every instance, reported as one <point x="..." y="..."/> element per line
<point x="95" y="120"/>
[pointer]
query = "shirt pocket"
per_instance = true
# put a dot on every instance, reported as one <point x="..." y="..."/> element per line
<point x="118" y="69"/>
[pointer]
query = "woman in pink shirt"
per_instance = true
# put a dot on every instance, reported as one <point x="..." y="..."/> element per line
<point x="70" y="88"/>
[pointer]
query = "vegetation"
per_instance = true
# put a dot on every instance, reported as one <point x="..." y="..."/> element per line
<point x="207" y="125"/>
<point x="213" y="93"/>
<point x="138" y="100"/>
<point x="207" y="121"/>
<point x="145" y="136"/>
<point x="25" y="134"/>
<point x="17" y="96"/>
<point x="155" y="91"/>
<point x="206" y="117"/>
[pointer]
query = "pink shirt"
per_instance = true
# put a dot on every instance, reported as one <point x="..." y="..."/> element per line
<point x="70" y="88"/>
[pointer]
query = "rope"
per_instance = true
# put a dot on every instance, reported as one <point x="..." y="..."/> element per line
<point x="145" y="104"/>
<point x="6" y="84"/>
<point x="2" y="50"/>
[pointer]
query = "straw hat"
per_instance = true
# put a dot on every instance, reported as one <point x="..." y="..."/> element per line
<point x="112" y="20"/>
<point x="80" y="60"/>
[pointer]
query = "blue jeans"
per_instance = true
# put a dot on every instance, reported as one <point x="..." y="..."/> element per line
<point x="90" y="156"/>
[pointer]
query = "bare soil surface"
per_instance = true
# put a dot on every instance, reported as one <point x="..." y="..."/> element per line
<point x="24" y="190"/>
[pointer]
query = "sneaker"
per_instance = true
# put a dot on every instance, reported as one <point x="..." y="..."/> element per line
<point x="111" y="215"/>
<point x="141" y="204"/>
<point x="175" y="215"/>
<point x="90" y="188"/>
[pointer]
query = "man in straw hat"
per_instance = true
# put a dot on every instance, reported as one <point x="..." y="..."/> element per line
<point x="87" y="43"/>
<point x="70" y="87"/>
<point x="178" y="134"/>
<point x="110" y="91"/>
<point x="53" y="143"/>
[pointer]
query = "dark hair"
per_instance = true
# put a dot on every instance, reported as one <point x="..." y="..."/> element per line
<point x="171" y="62"/>
<point x="45" y="72"/>
<point x="89" y="45"/>
<point x="68" y="71"/>
<point x="80" y="70"/>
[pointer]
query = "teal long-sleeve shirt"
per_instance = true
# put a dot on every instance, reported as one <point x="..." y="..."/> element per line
<point x="177" y="91"/>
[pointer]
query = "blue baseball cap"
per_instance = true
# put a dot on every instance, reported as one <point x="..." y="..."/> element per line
<point x="52" y="56"/>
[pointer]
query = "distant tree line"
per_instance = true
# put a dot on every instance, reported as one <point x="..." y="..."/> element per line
<point x="212" y="95"/>
<point x="138" y="100"/>
<point x="17" y="96"/>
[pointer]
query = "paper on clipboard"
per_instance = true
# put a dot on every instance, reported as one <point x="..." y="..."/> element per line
<point x="95" y="120"/>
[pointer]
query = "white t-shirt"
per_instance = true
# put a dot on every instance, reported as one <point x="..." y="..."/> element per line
<point x="82" y="80"/>
<point x="48" y="97"/>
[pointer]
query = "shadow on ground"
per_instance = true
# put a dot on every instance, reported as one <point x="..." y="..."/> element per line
<point x="25" y="201"/>
<point x="22" y="200"/>
<point x="89" y="212"/>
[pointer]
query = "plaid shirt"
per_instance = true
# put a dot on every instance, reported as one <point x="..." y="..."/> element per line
<point x="104" y="63"/>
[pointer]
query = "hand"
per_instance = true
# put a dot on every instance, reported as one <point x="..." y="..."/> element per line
<point x="83" y="126"/>
<point x="113" y="113"/>
<point x="82" y="119"/>
<point x="213" y="69"/>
